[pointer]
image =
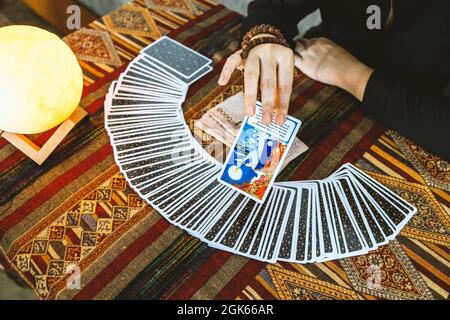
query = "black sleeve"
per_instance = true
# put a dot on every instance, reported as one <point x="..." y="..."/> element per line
<point x="283" y="14"/>
<point x="420" y="116"/>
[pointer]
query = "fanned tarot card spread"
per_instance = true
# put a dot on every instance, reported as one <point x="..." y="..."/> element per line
<point x="258" y="154"/>
<point x="236" y="206"/>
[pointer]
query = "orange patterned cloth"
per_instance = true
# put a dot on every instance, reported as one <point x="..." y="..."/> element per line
<point x="76" y="211"/>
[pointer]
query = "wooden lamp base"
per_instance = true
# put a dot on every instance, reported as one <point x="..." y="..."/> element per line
<point x="40" y="154"/>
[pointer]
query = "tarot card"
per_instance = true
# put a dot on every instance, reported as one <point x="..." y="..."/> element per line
<point x="188" y="191"/>
<point x="151" y="190"/>
<point x="287" y="240"/>
<point x="174" y="132"/>
<point x="174" y="157"/>
<point x="151" y="66"/>
<point x="391" y="211"/>
<point x="138" y="77"/>
<point x="325" y="225"/>
<point x="192" y="218"/>
<point x="150" y="130"/>
<point x="147" y="67"/>
<point x="316" y="222"/>
<point x="261" y="233"/>
<point x="142" y="75"/>
<point x="154" y="96"/>
<point x="151" y="127"/>
<point x="133" y="87"/>
<point x="189" y="80"/>
<point x="187" y="212"/>
<point x="246" y="236"/>
<point x="360" y="215"/>
<point x="176" y="56"/>
<point x="202" y="212"/>
<point x="148" y="178"/>
<point x="177" y="186"/>
<point x="278" y="227"/>
<point x="131" y="154"/>
<point x="142" y="118"/>
<point x="141" y="102"/>
<point x="148" y="189"/>
<point x="207" y="216"/>
<point x="270" y="232"/>
<point x="243" y="226"/>
<point x="270" y="222"/>
<point x="233" y="233"/>
<point x="144" y="110"/>
<point x="160" y="153"/>
<point x="390" y="195"/>
<point x="157" y="145"/>
<point x="301" y="226"/>
<point x="337" y="229"/>
<point x="294" y="243"/>
<point x="220" y="225"/>
<point x="139" y="88"/>
<point x="257" y="155"/>
<point x="142" y="155"/>
<point x="249" y="244"/>
<point x="387" y="230"/>
<point x="150" y="142"/>
<point x="311" y="243"/>
<point x="155" y="65"/>
<point x="353" y="242"/>
<point x="169" y="162"/>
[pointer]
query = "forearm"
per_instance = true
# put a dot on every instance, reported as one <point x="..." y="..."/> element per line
<point x="282" y="14"/>
<point x="355" y="80"/>
<point x="420" y="116"/>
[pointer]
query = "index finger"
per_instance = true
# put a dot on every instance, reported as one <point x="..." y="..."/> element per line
<point x="233" y="62"/>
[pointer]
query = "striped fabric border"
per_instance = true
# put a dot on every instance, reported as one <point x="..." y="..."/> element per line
<point x="150" y="259"/>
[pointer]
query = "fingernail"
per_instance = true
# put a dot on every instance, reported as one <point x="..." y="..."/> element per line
<point x="266" y="117"/>
<point x="280" y="119"/>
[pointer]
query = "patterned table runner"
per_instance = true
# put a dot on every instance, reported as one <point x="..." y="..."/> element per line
<point x="78" y="210"/>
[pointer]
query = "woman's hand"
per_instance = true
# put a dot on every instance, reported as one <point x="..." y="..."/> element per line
<point x="271" y="65"/>
<point x="324" y="61"/>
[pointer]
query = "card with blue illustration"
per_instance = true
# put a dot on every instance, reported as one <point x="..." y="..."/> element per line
<point x="257" y="155"/>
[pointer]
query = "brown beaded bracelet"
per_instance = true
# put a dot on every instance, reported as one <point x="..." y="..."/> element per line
<point x="263" y="28"/>
<point x="249" y="43"/>
<point x="256" y="42"/>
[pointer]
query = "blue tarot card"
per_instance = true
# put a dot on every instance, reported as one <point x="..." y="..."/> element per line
<point x="257" y="155"/>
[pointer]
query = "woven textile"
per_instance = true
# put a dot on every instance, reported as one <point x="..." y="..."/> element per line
<point x="77" y="210"/>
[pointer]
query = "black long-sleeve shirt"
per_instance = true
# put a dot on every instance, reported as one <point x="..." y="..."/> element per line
<point x="410" y="88"/>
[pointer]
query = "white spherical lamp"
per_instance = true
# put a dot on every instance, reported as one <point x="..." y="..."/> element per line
<point x="41" y="82"/>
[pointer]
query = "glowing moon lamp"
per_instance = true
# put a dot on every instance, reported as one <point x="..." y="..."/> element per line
<point x="41" y="84"/>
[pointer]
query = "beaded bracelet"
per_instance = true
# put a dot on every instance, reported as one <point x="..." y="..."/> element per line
<point x="263" y="28"/>
<point x="249" y="43"/>
<point x="256" y="42"/>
